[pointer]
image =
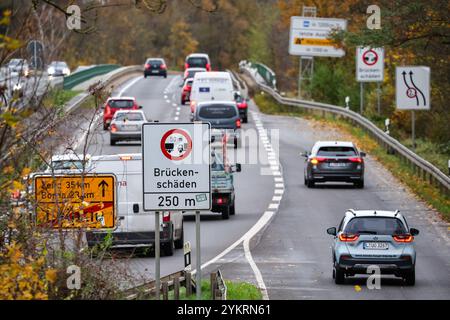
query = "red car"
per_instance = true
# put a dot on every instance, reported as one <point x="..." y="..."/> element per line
<point x="186" y="93"/>
<point x="242" y="106"/>
<point x="117" y="103"/>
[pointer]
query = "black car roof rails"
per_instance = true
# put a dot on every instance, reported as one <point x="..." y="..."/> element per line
<point x="352" y="211"/>
<point x="396" y="212"/>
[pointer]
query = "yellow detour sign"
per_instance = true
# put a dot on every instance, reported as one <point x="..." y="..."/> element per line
<point x="313" y="42"/>
<point x="76" y="201"/>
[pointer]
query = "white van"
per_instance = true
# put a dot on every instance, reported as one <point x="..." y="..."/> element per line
<point x="211" y="86"/>
<point x="135" y="227"/>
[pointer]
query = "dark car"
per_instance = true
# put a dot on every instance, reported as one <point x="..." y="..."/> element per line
<point x="242" y="105"/>
<point x="223" y="116"/>
<point x="334" y="161"/>
<point x="155" y="67"/>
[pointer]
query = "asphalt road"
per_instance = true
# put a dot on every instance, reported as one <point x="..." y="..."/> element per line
<point x="291" y="254"/>
<point x="294" y="253"/>
<point x="160" y="99"/>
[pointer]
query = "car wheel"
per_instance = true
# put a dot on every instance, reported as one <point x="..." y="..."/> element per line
<point x="183" y="102"/>
<point x="145" y="76"/>
<point x="232" y="210"/>
<point x="305" y="181"/>
<point x="105" y="126"/>
<point x="113" y="142"/>
<point x="339" y="276"/>
<point x="165" y="76"/>
<point x="410" y="278"/>
<point x="310" y="183"/>
<point x="168" y="248"/>
<point x="360" y="184"/>
<point x="226" y="213"/>
<point x="245" y="120"/>
<point x="180" y="242"/>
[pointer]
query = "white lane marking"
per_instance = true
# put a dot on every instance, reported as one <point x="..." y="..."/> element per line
<point x="274" y="206"/>
<point x="178" y="108"/>
<point x="276" y="173"/>
<point x="278" y="179"/>
<point x="176" y="118"/>
<point x="174" y="104"/>
<point x="85" y="132"/>
<point x="169" y="86"/>
<point x="168" y="101"/>
<point x="165" y="96"/>
<point x="177" y="113"/>
<point x="129" y="85"/>
<point x="277" y="198"/>
<point x="279" y="191"/>
<point x="279" y="185"/>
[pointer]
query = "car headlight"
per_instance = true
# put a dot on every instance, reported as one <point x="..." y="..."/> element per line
<point x="66" y="71"/>
<point x="51" y="70"/>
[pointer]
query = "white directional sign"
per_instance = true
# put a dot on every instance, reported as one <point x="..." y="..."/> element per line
<point x="412" y="88"/>
<point x="176" y="166"/>
<point x="310" y="37"/>
<point x="369" y="64"/>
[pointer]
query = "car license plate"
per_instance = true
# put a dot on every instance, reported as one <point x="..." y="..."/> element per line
<point x="131" y="128"/>
<point x="155" y="71"/>
<point x="376" y="245"/>
<point x="337" y="164"/>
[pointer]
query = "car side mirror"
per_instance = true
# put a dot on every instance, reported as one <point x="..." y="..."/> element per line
<point x="238" y="167"/>
<point x="247" y="99"/>
<point x="332" y="231"/>
<point x="135" y="208"/>
<point x="414" y="232"/>
<point x="304" y="154"/>
<point x="140" y="107"/>
<point x="362" y="154"/>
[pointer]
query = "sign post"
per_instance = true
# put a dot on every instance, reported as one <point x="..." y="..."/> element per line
<point x="75" y="201"/>
<point x="198" y="280"/>
<point x="177" y="174"/>
<point x="412" y="86"/>
<point x="369" y="68"/>
<point x="157" y="257"/>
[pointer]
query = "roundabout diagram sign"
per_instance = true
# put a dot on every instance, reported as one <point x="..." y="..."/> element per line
<point x="176" y="166"/>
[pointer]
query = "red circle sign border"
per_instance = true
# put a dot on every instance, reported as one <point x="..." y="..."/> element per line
<point x="376" y="55"/>
<point x="184" y="134"/>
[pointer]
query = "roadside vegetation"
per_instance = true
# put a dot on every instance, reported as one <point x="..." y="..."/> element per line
<point x="235" y="291"/>
<point x="427" y="192"/>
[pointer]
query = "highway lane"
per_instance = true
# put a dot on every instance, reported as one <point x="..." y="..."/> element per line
<point x="294" y="252"/>
<point x="160" y="99"/>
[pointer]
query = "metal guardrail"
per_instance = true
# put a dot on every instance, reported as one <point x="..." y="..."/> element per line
<point x="81" y="76"/>
<point x="421" y="167"/>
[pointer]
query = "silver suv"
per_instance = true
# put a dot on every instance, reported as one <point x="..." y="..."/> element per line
<point x="367" y="237"/>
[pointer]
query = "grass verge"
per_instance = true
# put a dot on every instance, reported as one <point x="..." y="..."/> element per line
<point x="235" y="291"/>
<point x="423" y="189"/>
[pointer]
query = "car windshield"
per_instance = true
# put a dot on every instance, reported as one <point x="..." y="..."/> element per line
<point x="155" y="62"/>
<point x="58" y="65"/>
<point x="197" y="62"/>
<point x="375" y="225"/>
<point x="130" y="116"/>
<point x="336" y="151"/>
<point x="15" y="62"/>
<point x="121" y="103"/>
<point x="217" y="166"/>
<point x="67" y="164"/>
<point x="217" y="112"/>
<point x="238" y="98"/>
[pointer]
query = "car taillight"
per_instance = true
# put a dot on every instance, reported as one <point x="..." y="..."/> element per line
<point x="348" y="237"/>
<point x="186" y="65"/>
<point x="317" y="160"/>
<point x="107" y="109"/>
<point x="208" y="67"/>
<point x="359" y="160"/>
<point x="163" y="66"/>
<point x="126" y="158"/>
<point x="113" y="128"/>
<point x="193" y="106"/>
<point x="166" y="216"/>
<point x="147" y="66"/>
<point x="221" y="200"/>
<point x="238" y="123"/>
<point x="404" y="238"/>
